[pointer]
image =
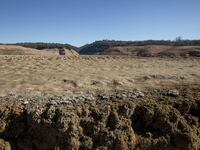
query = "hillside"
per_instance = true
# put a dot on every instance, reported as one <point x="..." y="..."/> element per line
<point x="20" y="50"/>
<point x="156" y="50"/>
<point x="41" y="45"/>
<point x="97" y="47"/>
<point x="100" y="46"/>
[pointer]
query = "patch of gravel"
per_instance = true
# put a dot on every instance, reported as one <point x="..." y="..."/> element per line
<point x="126" y="95"/>
<point x="80" y="97"/>
<point x="70" y="97"/>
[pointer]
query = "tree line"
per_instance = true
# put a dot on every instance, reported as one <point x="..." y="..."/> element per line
<point x="177" y="42"/>
<point x="99" y="46"/>
<point x="41" y="45"/>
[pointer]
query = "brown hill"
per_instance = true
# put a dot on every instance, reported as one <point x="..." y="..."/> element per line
<point x="156" y="50"/>
<point x="20" y="50"/>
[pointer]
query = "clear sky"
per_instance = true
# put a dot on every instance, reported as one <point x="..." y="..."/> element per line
<point x="78" y="22"/>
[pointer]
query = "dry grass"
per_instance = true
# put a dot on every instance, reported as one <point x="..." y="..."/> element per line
<point x="54" y="74"/>
<point x="156" y="50"/>
<point x="20" y="50"/>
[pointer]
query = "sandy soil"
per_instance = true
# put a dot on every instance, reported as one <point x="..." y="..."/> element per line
<point x="53" y="74"/>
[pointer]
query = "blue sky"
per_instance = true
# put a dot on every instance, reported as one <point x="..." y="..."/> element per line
<point x="78" y="22"/>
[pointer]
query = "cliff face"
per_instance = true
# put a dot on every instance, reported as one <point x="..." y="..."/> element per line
<point x="151" y="122"/>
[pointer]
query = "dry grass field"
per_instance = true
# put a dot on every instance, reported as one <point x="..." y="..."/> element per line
<point x="55" y="74"/>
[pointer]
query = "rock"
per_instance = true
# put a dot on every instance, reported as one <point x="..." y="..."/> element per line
<point x="89" y="98"/>
<point x="52" y="103"/>
<point x="64" y="102"/>
<point x="65" y="98"/>
<point x="104" y="96"/>
<point x="164" y="93"/>
<point x="138" y="93"/>
<point x="172" y="92"/>
<point x="25" y="102"/>
<point x="124" y="96"/>
<point x="133" y="96"/>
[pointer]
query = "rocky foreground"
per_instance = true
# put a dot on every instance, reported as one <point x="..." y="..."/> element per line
<point x="126" y="119"/>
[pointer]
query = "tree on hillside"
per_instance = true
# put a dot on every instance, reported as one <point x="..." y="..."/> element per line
<point x="178" y="41"/>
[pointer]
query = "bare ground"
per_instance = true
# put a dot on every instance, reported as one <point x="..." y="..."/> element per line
<point x="152" y="122"/>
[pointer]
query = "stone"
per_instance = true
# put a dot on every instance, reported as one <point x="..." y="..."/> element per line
<point x="124" y="96"/>
<point x="52" y="103"/>
<point x="173" y="93"/>
<point x="164" y="93"/>
<point x="104" y="96"/>
<point x="133" y="96"/>
<point x="25" y="102"/>
<point x="64" y="102"/>
<point x="89" y="98"/>
<point x="64" y="98"/>
<point x="140" y="94"/>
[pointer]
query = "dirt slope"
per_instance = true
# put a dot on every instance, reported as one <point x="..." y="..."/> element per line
<point x="19" y="50"/>
<point x="153" y="122"/>
<point x="153" y="50"/>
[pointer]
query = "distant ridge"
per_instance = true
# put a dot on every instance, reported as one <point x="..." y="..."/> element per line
<point x="41" y="45"/>
<point x="98" y="47"/>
